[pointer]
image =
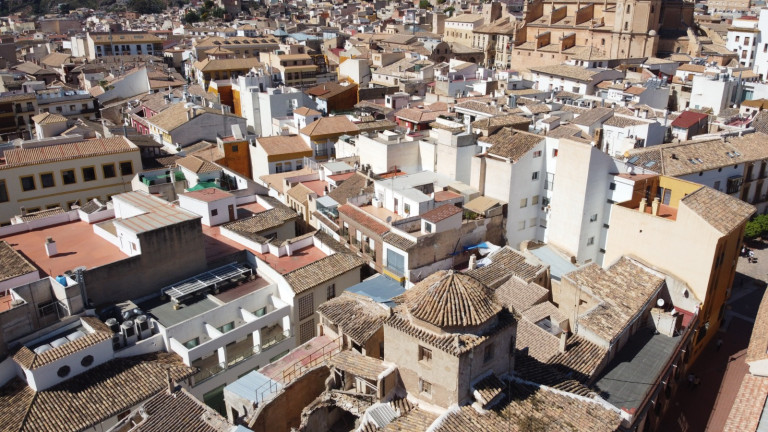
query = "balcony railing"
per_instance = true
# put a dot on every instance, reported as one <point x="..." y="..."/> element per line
<point x="236" y="357"/>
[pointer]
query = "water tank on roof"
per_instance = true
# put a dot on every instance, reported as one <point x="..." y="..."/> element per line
<point x="61" y="280"/>
<point x="75" y="335"/>
<point x="42" y="348"/>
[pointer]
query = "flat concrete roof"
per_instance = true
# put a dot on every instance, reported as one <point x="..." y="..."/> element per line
<point x="76" y="243"/>
<point x="163" y="310"/>
<point x="380" y="288"/>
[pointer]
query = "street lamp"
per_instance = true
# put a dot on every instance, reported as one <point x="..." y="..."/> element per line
<point x="660" y="304"/>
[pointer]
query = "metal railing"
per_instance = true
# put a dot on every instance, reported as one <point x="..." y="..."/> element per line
<point x="235" y="357"/>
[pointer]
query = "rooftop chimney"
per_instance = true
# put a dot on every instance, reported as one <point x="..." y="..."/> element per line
<point x="655" y="206"/>
<point x="472" y="262"/>
<point x="643" y="205"/>
<point x="563" y="342"/>
<point x="189" y="114"/>
<point x="50" y="247"/>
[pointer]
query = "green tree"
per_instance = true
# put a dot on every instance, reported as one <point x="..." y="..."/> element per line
<point x="191" y="16"/>
<point x="424" y="4"/>
<point x="147" y="6"/>
<point x="218" y="12"/>
<point x="752" y="230"/>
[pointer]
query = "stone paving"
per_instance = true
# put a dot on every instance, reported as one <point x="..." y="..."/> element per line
<point x="706" y="408"/>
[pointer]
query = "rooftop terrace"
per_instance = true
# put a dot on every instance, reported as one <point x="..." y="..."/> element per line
<point x="76" y="243"/>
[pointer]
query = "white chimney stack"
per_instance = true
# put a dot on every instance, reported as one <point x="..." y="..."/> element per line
<point x="643" y="205"/>
<point x="655" y="206"/>
<point x="50" y="247"/>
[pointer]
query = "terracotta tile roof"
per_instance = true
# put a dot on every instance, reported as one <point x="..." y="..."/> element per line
<point x="197" y="165"/>
<point x="42" y="214"/>
<point x="322" y="270"/>
<point x="419" y="115"/>
<point x="760" y="122"/>
<point x="621" y="291"/>
<point x="300" y="192"/>
<point x="358" y="316"/>
<point x="12" y="263"/>
<point x="478" y="106"/>
<point x="178" y="412"/>
<point x="452" y="343"/>
<point x="304" y="111"/>
<point x="398" y="241"/>
<point x="566" y="71"/>
<point x="581" y="359"/>
<point x="723" y="212"/>
<point x="507" y="262"/>
<point x="511" y="144"/>
<point x="210" y="65"/>
<point x="176" y="115"/>
<point x="28" y="359"/>
<point x="350" y="188"/>
<point x="445" y="195"/>
<point x="62" y="152"/>
<point x="593" y="116"/>
<point x="48" y="118"/>
<point x="541" y="344"/>
<point x="488" y="389"/>
<point x="621" y="121"/>
<point x="531" y="369"/>
<point x="275" y="181"/>
<point x="416" y="419"/>
<point x="692" y="68"/>
<point x="363" y="219"/>
<point x="447" y="299"/>
<point x="543" y="310"/>
<point x="358" y="364"/>
<point x="688" y="157"/>
<point x="518" y="295"/>
<point x="531" y="407"/>
<point x="749" y="404"/>
<point x="441" y="213"/>
<point x="130" y="37"/>
<point x="337" y="125"/>
<point x="330" y="89"/>
<point x="500" y="121"/>
<point x="262" y="221"/>
<point x="91" y="398"/>
<point x="686" y="119"/>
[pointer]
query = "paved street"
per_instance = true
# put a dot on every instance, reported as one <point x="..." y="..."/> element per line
<point x="721" y="371"/>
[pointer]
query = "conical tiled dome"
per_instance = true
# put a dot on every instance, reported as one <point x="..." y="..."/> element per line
<point x="448" y="299"/>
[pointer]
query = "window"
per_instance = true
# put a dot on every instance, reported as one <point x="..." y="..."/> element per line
<point x="89" y="174"/>
<point x="234" y="149"/>
<point x="306" y="331"/>
<point x="71" y="107"/>
<point x="524" y="203"/>
<point x="521" y="225"/>
<point x="63" y="371"/>
<point x="306" y="306"/>
<point x="554" y="152"/>
<point x="717" y="185"/>
<point x="425" y="387"/>
<point x="488" y="353"/>
<point x="534" y="200"/>
<point x="746" y="41"/>
<point x="46" y="308"/>
<point x="427" y="227"/>
<point x="68" y="177"/>
<point x="87" y="360"/>
<point x="626" y="26"/>
<point x="84" y="107"/>
<point x="3" y="192"/>
<point x="534" y="176"/>
<point x="628" y="7"/>
<point x="226" y="327"/>
<point x="58" y="109"/>
<point x="590" y="241"/>
<point x="331" y="291"/>
<point x="46" y="180"/>
<point x="537" y="153"/>
<point x="260" y="312"/>
<point x="612" y="186"/>
<point x="72" y="204"/>
<point x="192" y="343"/>
<point x="27" y="183"/>
<point x="214" y="212"/>
<point x="109" y="170"/>
<point x="593" y="218"/>
<point x="407" y="208"/>
<point x="425" y="354"/>
<point x="126" y="168"/>
<point x="278" y="167"/>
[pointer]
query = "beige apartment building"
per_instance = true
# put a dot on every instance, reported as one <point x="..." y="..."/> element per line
<point x="708" y="227"/>
<point x="63" y="175"/>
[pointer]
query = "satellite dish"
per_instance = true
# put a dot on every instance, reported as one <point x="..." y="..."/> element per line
<point x="660" y="302"/>
<point x="389" y="219"/>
